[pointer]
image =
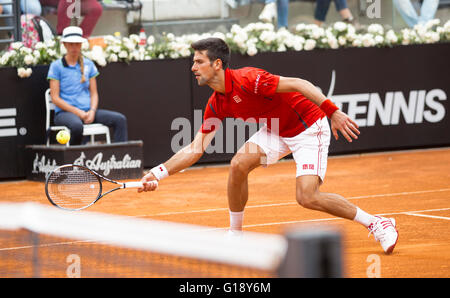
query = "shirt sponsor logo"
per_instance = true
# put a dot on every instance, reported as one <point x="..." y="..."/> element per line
<point x="308" y="167"/>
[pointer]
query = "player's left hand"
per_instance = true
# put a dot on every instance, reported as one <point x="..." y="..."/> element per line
<point x="348" y="128"/>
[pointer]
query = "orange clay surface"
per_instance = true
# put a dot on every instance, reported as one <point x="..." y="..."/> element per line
<point x="411" y="186"/>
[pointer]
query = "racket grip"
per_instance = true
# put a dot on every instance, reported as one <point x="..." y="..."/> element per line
<point x="138" y="184"/>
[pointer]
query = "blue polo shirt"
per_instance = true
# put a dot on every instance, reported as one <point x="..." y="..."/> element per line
<point x="71" y="89"/>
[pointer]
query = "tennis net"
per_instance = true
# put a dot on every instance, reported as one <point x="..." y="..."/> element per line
<point x="42" y="241"/>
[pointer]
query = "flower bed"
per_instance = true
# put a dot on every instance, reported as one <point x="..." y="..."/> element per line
<point x="248" y="40"/>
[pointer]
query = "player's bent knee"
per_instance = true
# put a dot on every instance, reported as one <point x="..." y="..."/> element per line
<point x="306" y="199"/>
<point x="238" y="166"/>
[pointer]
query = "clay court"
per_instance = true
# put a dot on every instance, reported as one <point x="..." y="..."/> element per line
<point x="411" y="186"/>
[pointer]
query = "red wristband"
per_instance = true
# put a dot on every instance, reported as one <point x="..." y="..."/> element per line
<point x="328" y="107"/>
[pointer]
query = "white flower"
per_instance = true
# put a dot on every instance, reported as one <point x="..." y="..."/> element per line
<point x="351" y="29"/>
<point x="340" y="26"/>
<point x="310" y="44"/>
<point x="431" y="37"/>
<point x="357" y="42"/>
<point x="368" y="40"/>
<point x="128" y="43"/>
<point x="267" y="36"/>
<point x="150" y="40"/>
<point x="379" y="39"/>
<point x="113" y="58"/>
<point x="24" y="72"/>
<point x="240" y="39"/>
<point x="391" y="37"/>
<point x="50" y="43"/>
<point x="5" y="58"/>
<point x="300" y="27"/>
<point x="431" y="23"/>
<point x="25" y="50"/>
<point x="39" y="45"/>
<point x="252" y="50"/>
<point x="16" y="45"/>
<point x="317" y="33"/>
<point x="235" y="28"/>
<point x="101" y="61"/>
<point x="219" y="35"/>
<point x="62" y="49"/>
<point x="333" y="43"/>
<point x="51" y="52"/>
<point x="134" y="38"/>
<point x="375" y="29"/>
<point x="84" y="46"/>
<point x="123" y="54"/>
<point x="136" y="55"/>
<point x="447" y="26"/>
<point x="115" y="49"/>
<point x="109" y="39"/>
<point x="185" y="52"/>
<point x="98" y="55"/>
<point x="342" y="40"/>
<point x="281" y="48"/>
<point x="298" y="43"/>
<point x="28" y="59"/>
<point x="421" y="30"/>
<point x="170" y="36"/>
<point x="161" y="56"/>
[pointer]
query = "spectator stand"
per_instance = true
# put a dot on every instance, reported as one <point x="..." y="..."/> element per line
<point x="10" y="33"/>
<point x="118" y="16"/>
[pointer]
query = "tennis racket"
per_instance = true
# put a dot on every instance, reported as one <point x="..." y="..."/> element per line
<point x="73" y="187"/>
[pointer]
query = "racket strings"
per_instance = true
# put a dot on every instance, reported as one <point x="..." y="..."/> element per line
<point x="73" y="187"/>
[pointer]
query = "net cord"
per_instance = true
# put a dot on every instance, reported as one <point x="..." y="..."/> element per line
<point x="253" y="250"/>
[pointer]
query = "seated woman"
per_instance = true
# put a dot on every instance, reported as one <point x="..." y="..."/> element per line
<point x="73" y="88"/>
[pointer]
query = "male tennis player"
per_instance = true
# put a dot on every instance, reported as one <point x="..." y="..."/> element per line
<point x="301" y="127"/>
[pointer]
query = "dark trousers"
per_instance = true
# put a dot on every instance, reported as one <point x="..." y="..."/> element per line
<point x="322" y="7"/>
<point x="114" y="120"/>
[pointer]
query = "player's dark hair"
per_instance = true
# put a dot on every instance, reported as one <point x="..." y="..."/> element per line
<point x="216" y="49"/>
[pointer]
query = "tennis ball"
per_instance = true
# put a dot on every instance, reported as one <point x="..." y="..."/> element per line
<point x="63" y="137"/>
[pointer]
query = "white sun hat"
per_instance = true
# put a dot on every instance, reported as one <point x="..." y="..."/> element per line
<point x="73" y="34"/>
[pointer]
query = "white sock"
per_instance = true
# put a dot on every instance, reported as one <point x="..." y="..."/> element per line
<point x="364" y="218"/>
<point x="236" y="219"/>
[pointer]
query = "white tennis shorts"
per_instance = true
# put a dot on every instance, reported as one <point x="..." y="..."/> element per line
<point x="309" y="148"/>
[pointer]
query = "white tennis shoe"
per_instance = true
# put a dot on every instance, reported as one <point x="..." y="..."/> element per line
<point x="384" y="231"/>
<point x="269" y="13"/>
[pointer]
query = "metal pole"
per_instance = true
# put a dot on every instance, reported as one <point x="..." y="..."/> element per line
<point x="312" y="253"/>
<point x="17" y="25"/>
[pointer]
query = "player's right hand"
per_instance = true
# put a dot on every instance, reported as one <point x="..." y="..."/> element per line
<point x="146" y="182"/>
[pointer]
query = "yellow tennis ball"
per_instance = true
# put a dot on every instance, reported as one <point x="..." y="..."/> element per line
<point x="63" y="137"/>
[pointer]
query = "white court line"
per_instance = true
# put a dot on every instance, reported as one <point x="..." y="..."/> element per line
<point x="46" y="245"/>
<point x="429" y="216"/>
<point x="331" y="219"/>
<point x="295" y="203"/>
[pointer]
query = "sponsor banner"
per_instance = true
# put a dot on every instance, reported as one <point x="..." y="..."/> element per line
<point x="116" y="161"/>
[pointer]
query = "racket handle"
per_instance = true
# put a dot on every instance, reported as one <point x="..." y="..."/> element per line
<point x="137" y="184"/>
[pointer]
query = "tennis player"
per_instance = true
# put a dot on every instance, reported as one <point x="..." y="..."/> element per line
<point x="296" y="122"/>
